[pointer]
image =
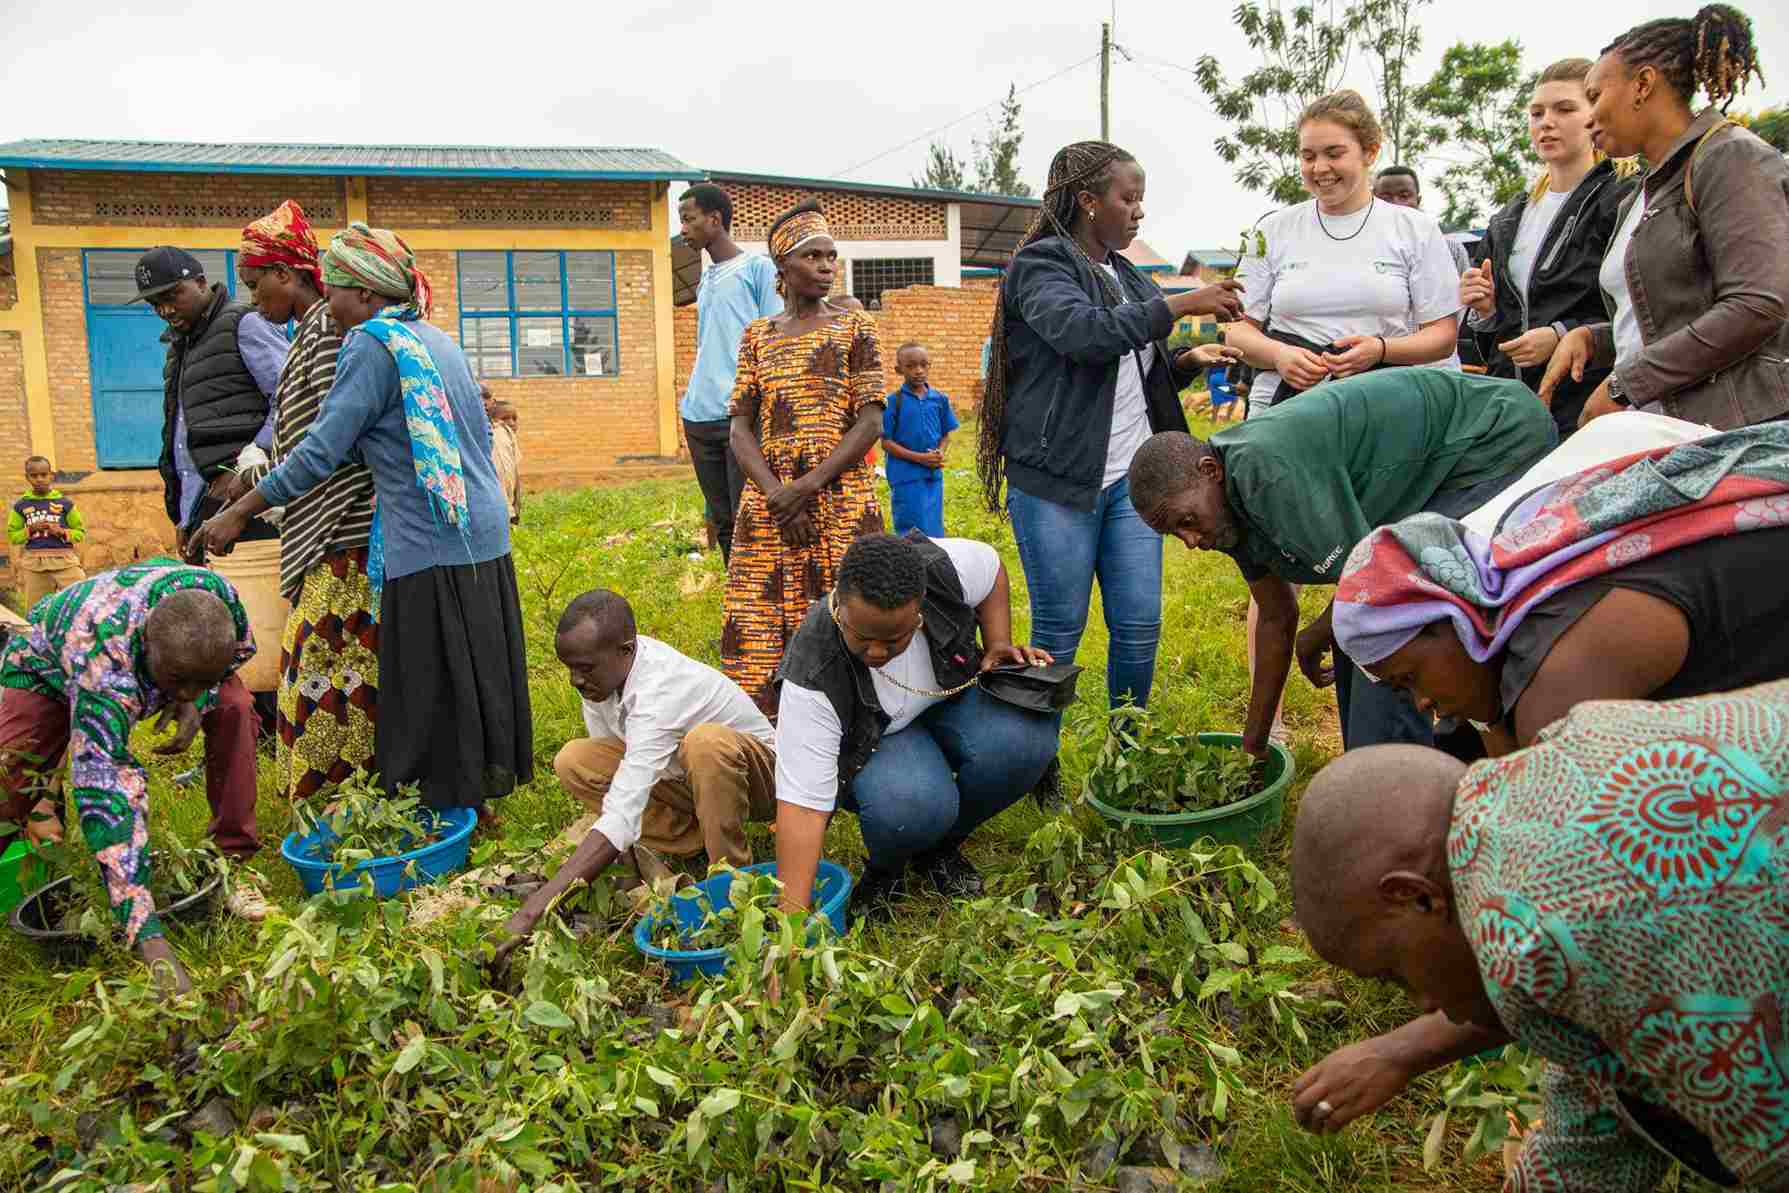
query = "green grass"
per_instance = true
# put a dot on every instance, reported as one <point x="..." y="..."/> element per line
<point x="639" y="541"/>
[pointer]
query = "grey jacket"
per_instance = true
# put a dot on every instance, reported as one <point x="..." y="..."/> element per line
<point x="1710" y="287"/>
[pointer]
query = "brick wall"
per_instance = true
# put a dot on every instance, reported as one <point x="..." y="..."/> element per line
<point x="508" y="203"/>
<point x="65" y="339"/>
<point x="951" y="323"/>
<point x="187" y="200"/>
<point x="851" y="216"/>
<point x="9" y="283"/>
<point x="15" y="434"/>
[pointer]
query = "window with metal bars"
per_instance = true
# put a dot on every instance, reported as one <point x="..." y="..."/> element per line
<point x="872" y="275"/>
<point x="539" y="314"/>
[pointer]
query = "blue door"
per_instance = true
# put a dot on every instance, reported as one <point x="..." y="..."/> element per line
<point x="126" y="353"/>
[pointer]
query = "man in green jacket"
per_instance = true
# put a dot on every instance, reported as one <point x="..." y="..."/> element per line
<point x="1287" y="495"/>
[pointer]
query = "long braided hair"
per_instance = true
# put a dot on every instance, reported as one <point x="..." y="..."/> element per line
<point x="1712" y="52"/>
<point x="1082" y="166"/>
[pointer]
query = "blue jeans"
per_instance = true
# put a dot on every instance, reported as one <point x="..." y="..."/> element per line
<point x="961" y="763"/>
<point x="1062" y="550"/>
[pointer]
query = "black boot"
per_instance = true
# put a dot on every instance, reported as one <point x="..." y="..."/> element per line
<point x="949" y="871"/>
<point x="873" y="896"/>
<point x="1048" y="791"/>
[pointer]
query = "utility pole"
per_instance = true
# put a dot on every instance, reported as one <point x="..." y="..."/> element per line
<point x="1105" y="81"/>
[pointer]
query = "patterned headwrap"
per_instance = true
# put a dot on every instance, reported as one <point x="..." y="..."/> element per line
<point x="377" y="260"/>
<point x="796" y="231"/>
<point x="283" y="237"/>
<point x="1404" y="576"/>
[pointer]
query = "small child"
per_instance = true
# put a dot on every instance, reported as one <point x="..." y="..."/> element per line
<point x="48" y="526"/>
<point x="506" y="452"/>
<point x="916" y="425"/>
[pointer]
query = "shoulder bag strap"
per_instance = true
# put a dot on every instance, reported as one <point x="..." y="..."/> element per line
<point x="1689" y="191"/>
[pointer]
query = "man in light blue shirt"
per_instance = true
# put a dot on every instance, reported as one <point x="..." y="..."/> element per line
<point x="737" y="287"/>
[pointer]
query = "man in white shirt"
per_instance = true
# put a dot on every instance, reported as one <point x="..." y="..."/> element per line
<point x="678" y="758"/>
<point x="878" y="715"/>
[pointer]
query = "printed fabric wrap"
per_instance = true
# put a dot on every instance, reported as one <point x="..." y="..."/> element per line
<point x="375" y="259"/>
<point x="1621" y="885"/>
<point x="796" y="231"/>
<point x="434" y="438"/>
<point x="1405" y="576"/>
<point x="282" y="237"/>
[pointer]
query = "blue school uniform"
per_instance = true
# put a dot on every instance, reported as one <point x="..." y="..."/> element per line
<point x="918" y="422"/>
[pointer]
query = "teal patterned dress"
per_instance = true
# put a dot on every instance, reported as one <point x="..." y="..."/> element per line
<point x="85" y="648"/>
<point x="1625" y="886"/>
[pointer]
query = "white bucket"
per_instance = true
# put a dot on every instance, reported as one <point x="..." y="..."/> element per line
<point x="253" y="569"/>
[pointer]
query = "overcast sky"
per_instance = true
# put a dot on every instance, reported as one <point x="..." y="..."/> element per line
<point x="812" y="90"/>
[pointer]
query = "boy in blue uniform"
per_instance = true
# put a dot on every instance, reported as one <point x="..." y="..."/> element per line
<point x="916" y="424"/>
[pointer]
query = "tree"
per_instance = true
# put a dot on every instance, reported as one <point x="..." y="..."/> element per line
<point x="1475" y="112"/>
<point x="1304" y="54"/>
<point x="944" y="169"/>
<point x="997" y="155"/>
<point x="1771" y="125"/>
<point x="1389" y="37"/>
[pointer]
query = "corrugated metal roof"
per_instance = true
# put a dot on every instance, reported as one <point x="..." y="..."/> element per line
<point x="723" y="177"/>
<point x="463" y="161"/>
<point x="1216" y="258"/>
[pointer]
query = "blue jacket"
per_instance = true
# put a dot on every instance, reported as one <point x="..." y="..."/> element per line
<point x="1064" y="346"/>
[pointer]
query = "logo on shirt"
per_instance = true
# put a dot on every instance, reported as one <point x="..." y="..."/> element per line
<point x="1329" y="559"/>
<point x="1388" y="267"/>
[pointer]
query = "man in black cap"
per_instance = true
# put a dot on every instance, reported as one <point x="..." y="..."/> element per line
<point x="223" y="366"/>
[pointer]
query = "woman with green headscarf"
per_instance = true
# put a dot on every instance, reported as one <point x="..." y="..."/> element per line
<point x="453" y="690"/>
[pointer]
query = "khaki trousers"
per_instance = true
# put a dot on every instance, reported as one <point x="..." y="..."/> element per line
<point x="38" y="578"/>
<point x="730" y="778"/>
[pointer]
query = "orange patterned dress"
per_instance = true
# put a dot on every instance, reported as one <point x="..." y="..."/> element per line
<point x="804" y="393"/>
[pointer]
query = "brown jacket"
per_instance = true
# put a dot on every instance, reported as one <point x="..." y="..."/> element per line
<point x="1710" y="287"/>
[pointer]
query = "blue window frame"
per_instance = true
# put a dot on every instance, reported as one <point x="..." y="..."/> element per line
<point x="539" y="314"/>
<point x="125" y="354"/>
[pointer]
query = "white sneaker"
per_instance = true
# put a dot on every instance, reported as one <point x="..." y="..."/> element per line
<point x="243" y="898"/>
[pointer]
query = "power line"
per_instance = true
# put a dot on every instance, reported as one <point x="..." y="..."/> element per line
<point x="1142" y="65"/>
<point x="929" y="133"/>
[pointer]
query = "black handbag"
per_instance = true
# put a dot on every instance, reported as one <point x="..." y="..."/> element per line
<point x="1047" y="687"/>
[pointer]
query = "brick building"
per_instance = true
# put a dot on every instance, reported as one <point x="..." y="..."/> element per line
<point x="924" y="261"/>
<point x="550" y="266"/>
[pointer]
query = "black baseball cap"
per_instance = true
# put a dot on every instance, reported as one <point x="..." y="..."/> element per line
<point x="162" y="268"/>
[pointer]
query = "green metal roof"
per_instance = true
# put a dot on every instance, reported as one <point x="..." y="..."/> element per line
<point x="589" y="162"/>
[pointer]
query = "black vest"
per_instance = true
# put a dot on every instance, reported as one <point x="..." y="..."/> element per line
<point x="816" y="659"/>
<point x="223" y="404"/>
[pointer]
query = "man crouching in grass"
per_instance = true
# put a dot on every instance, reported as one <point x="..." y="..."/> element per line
<point x="678" y="758"/>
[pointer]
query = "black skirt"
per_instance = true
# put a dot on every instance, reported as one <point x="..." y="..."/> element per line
<point x="453" y="685"/>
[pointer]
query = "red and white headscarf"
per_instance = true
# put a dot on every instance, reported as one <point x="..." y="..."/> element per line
<point x="282" y="237"/>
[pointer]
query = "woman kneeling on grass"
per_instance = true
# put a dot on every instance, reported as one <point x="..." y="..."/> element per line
<point x="453" y="678"/>
<point x="880" y="716"/>
<point x="1655" y="576"/>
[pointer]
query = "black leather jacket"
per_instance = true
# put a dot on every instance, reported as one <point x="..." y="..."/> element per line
<point x="1563" y="292"/>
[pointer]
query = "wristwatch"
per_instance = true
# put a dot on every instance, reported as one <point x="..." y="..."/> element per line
<point x="1618" y="392"/>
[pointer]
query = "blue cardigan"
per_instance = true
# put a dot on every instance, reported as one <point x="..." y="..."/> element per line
<point x="363" y="421"/>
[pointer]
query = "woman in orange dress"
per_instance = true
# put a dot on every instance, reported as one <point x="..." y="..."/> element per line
<point x="807" y="406"/>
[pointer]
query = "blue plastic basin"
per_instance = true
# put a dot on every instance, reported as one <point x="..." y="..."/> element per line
<point x="832" y="890"/>
<point x="433" y="861"/>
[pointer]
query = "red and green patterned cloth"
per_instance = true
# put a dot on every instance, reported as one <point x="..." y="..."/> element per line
<point x="85" y="647"/>
<point x="1625" y="886"/>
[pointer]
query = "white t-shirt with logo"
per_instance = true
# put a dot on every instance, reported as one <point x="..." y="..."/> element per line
<point x="808" y="731"/>
<point x="1130" y="407"/>
<point x="1388" y="280"/>
<point x="1537" y="218"/>
<point x="1613" y="277"/>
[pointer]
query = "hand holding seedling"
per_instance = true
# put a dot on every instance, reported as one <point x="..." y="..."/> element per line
<point x="184" y="717"/>
<point x="593" y="854"/>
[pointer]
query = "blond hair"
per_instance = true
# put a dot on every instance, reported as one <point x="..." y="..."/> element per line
<point x="1568" y="70"/>
<point x="1349" y="110"/>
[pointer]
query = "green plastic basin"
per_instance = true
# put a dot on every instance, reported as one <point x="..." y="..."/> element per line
<point x="1243" y="823"/>
<point x="20" y="871"/>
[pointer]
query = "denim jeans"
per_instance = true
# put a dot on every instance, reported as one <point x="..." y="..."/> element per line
<point x="1062" y="550"/>
<point x="961" y="763"/>
<point x="719" y="475"/>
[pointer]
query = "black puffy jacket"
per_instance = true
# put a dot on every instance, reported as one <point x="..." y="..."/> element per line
<point x="223" y="404"/>
<point x="1563" y="291"/>
<point x="1064" y="346"/>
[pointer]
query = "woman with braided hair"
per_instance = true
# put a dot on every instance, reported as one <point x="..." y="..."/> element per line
<point x="1078" y="377"/>
<point x="1695" y="280"/>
